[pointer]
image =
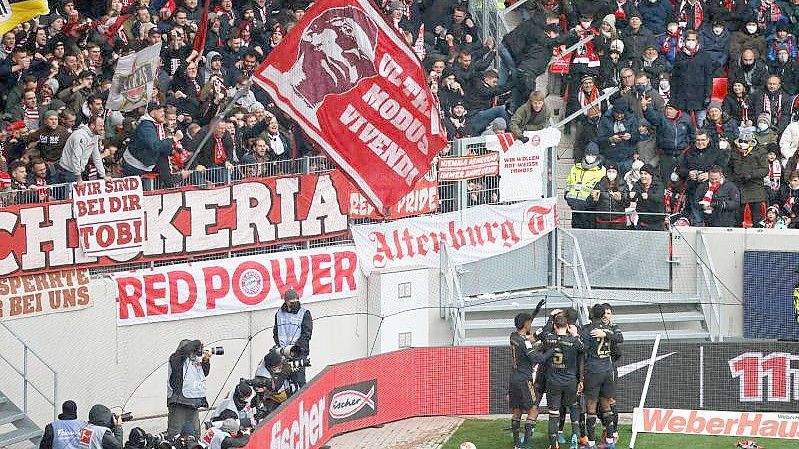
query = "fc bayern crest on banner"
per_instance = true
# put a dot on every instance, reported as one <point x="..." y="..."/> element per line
<point x="359" y="92"/>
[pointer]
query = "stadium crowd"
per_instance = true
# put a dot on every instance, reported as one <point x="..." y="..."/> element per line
<point x="659" y="145"/>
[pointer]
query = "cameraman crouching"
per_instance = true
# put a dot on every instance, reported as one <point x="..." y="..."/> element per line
<point x="236" y="405"/>
<point x="186" y="386"/>
<point x="292" y="334"/>
<point x="224" y="436"/>
<point x="104" y="430"/>
<point x="271" y="384"/>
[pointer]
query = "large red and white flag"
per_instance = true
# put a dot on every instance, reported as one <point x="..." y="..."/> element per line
<point x="358" y="90"/>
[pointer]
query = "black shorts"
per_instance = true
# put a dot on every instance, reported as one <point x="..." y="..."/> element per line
<point x="600" y="385"/>
<point x="522" y="392"/>
<point x="561" y="396"/>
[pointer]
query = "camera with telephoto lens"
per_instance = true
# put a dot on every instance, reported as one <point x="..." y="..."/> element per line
<point x="139" y="439"/>
<point x="180" y="442"/>
<point x="215" y="350"/>
<point x="124" y="417"/>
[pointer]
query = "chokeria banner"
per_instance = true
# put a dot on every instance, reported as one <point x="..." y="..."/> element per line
<point x="473" y="234"/>
<point x="241" y="284"/>
<point x="359" y="92"/>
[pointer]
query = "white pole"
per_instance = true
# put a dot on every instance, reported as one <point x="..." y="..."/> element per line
<point x="637" y="412"/>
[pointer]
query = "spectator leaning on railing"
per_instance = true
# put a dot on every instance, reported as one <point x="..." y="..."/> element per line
<point x="83" y="144"/>
<point x="149" y="142"/>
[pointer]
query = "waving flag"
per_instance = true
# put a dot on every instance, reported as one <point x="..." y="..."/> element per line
<point x="14" y="12"/>
<point x="359" y="92"/>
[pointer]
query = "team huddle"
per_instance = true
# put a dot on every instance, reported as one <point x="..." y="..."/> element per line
<point x="572" y="366"/>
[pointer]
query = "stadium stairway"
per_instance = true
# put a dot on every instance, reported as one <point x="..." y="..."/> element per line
<point x="16" y="429"/>
<point x="641" y="314"/>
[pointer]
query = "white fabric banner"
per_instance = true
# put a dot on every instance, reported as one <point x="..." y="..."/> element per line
<point x="473" y="234"/>
<point x="109" y="216"/>
<point x="240" y="284"/>
<point x="132" y="85"/>
<point x="521" y="165"/>
<point x="710" y="422"/>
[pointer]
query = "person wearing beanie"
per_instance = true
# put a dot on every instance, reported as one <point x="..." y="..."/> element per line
<point x="694" y="166"/>
<point x="292" y="333"/>
<point x="764" y="131"/>
<point x="617" y="134"/>
<point x="653" y="64"/>
<point x="720" y="127"/>
<point x="607" y="33"/>
<point x="583" y="177"/>
<point x="64" y="432"/>
<point x="632" y="176"/>
<point x="646" y="197"/>
<point x="748" y="167"/>
<point x="226" y="434"/>
<point x="149" y="142"/>
<point x="236" y="405"/>
<point x="636" y="37"/>
<point x="610" y="197"/>
<point x="497" y="126"/>
<point x="773" y="219"/>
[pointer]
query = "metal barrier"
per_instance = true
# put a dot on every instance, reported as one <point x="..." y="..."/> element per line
<point x="707" y="286"/>
<point x="24" y="373"/>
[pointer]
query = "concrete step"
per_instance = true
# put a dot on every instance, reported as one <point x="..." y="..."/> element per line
<point x="682" y="335"/>
<point x="11" y="415"/>
<point x="635" y="318"/>
<point x="31" y="434"/>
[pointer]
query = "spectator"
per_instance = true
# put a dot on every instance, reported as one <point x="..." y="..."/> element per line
<point x="715" y="40"/>
<point x="83" y="144"/>
<point x="279" y="147"/>
<point x="692" y="78"/>
<point x="582" y="179"/>
<point x="677" y="201"/>
<point x="733" y="13"/>
<point x="538" y="52"/>
<point x="481" y="101"/>
<point x="497" y="126"/>
<point x="617" y="135"/>
<point x="694" y="168"/>
<point x="764" y="132"/>
<point x="19" y="175"/>
<point x="670" y="42"/>
<point x="646" y="198"/>
<point x="748" y="37"/>
<point x="789" y="198"/>
<point x="655" y="14"/>
<point x="609" y="197"/>
<point x="457" y="123"/>
<point x="720" y="127"/>
<point x="748" y="167"/>
<point x="636" y="37"/>
<point x="149" y="143"/>
<point x="773" y="219"/>
<point x="607" y="33"/>
<point x="774" y="101"/>
<point x="588" y="121"/>
<point x="38" y="178"/>
<point x="49" y="140"/>
<point x="786" y="69"/>
<point x="652" y="63"/>
<point x="738" y="104"/>
<point x="748" y="70"/>
<point x="719" y="200"/>
<point x="78" y="92"/>
<point x="772" y="182"/>
<point x="674" y="132"/>
<point x="632" y="176"/>
<point x="533" y="115"/>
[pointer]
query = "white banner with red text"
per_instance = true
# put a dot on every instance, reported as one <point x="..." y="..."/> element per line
<point x="358" y="91"/>
<point x="472" y="234"/>
<point x="709" y="422"/>
<point x="240" y="284"/>
<point x="42" y="293"/>
<point x="110" y="216"/>
<point x="522" y="164"/>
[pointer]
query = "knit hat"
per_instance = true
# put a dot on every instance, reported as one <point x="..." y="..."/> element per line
<point x="499" y="124"/>
<point x="764" y="117"/>
<point x="610" y="19"/>
<point x="69" y="408"/>
<point x="714" y="105"/>
<point x="230" y="425"/>
<point x="587" y="76"/>
<point x="646" y="168"/>
<point x="620" y="105"/>
<point x="50" y="113"/>
<point x="115" y="118"/>
<point x="290" y="294"/>
<point x="612" y="166"/>
<point x="592" y="148"/>
<point x="773" y="147"/>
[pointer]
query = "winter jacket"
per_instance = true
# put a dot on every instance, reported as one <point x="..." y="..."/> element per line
<point x="732" y="108"/>
<point x="780" y="101"/>
<point x="635" y="42"/>
<point x="754" y="78"/>
<point x="597" y="9"/>
<point x="788" y="73"/>
<point x="654" y="69"/>
<point x="581" y="181"/>
<point x="624" y="149"/>
<point x="606" y="202"/>
<point x="741" y="40"/>
<point x="717" y="47"/>
<point x="667" y="46"/>
<point x="480" y="96"/>
<point x="734" y="18"/>
<point x="728" y="129"/>
<point x="673" y="136"/>
<point x="774" y="45"/>
<point x="525" y="120"/>
<point x="652" y="204"/>
<point x="655" y="16"/>
<point x="789" y="142"/>
<point x="701" y="160"/>
<point x="789" y="202"/>
<point x="100" y="415"/>
<point x="145" y="146"/>
<point x="691" y="81"/>
<point x="748" y="171"/>
<point x="726" y="202"/>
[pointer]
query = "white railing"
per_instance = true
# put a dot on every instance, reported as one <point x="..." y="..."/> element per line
<point x="581" y="289"/>
<point x="24" y="372"/>
<point x="708" y="288"/>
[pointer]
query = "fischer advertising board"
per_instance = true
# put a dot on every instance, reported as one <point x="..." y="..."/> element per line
<point x="238" y="284"/>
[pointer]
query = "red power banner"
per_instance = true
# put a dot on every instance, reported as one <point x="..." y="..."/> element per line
<point x="368" y="392"/>
<point x="358" y="90"/>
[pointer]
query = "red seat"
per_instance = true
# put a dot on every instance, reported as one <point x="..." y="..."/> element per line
<point x="719" y="89"/>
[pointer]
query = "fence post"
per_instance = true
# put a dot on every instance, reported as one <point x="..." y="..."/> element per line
<point x="25" y="379"/>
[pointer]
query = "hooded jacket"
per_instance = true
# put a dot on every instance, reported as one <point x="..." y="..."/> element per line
<point x="717" y="47"/>
<point x="100" y="415"/>
<point x="655" y="15"/>
<point x="145" y="146"/>
<point x="176" y="360"/>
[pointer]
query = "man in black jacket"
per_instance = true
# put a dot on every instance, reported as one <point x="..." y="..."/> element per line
<point x="186" y="389"/>
<point x="104" y="430"/>
<point x="719" y="200"/>
<point x="695" y="164"/>
<point x="64" y="432"/>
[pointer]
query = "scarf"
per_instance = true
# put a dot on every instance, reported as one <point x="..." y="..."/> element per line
<point x="43" y="191"/>
<point x="769" y="12"/>
<point x="744" y="105"/>
<point x="219" y="152"/>
<point x="698" y="14"/>
<point x="670" y="195"/>
<point x="584" y="100"/>
<point x="772" y="181"/>
<point x="789" y="204"/>
<point x="620" y="14"/>
<point x="31" y="115"/>
<point x="711" y="190"/>
<point x="767" y="107"/>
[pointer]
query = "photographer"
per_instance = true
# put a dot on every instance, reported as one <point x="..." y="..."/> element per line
<point x="224" y="436"/>
<point x="292" y="334"/>
<point x="104" y="430"/>
<point x="186" y="385"/>
<point x="271" y="384"/>
<point x="236" y="405"/>
<point x="64" y="432"/>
